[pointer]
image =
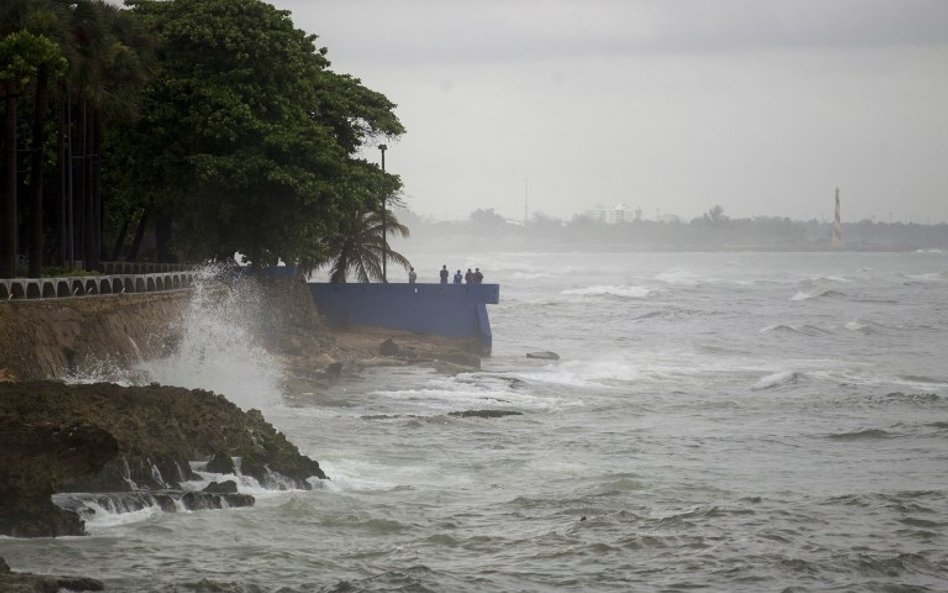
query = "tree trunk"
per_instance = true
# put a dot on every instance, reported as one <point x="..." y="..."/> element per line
<point x="62" y="249"/>
<point x="163" y="237"/>
<point x="120" y="239"/>
<point x="88" y="199"/>
<point x="96" y="172"/>
<point x="8" y="219"/>
<point x="139" y="235"/>
<point x="36" y="174"/>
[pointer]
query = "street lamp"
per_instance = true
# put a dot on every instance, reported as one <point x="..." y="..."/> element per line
<point x="383" y="148"/>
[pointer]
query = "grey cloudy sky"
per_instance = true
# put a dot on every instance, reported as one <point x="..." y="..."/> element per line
<point x="671" y="106"/>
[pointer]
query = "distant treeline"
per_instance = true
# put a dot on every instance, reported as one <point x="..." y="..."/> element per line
<point x="712" y="231"/>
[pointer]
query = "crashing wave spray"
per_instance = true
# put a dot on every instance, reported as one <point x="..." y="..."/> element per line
<point x="217" y="350"/>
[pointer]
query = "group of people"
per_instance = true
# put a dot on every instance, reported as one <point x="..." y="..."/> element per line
<point x="470" y="277"/>
<point x="475" y="277"/>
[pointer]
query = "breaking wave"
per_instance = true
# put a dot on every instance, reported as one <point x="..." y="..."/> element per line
<point x="777" y="380"/>
<point x="804" y="295"/>
<point x="627" y="292"/>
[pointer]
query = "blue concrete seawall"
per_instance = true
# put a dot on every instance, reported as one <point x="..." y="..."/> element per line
<point x="451" y="310"/>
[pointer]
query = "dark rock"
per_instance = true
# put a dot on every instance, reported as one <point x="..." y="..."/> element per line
<point x="194" y="501"/>
<point x="228" y="487"/>
<point x="334" y="370"/>
<point x="67" y="438"/>
<point x="388" y="348"/>
<point x="128" y="473"/>
<point x="544" y="355"/>
<point x="221" y="463"/>
<point x="485" y="413"/>
<point x="36" y="459"/>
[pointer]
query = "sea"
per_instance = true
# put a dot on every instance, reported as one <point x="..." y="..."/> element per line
<point x="734" y="422"/>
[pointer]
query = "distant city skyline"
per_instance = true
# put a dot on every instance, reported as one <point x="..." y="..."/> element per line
<point x="761" y="106"/>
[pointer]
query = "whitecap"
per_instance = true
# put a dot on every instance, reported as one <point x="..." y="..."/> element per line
<point x="679" y="276"/>
<point x="630" y="292"/>
<point x="933" y="277"/>
<point x="778" y="379"/>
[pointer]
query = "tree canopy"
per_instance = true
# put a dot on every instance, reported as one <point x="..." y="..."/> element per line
<point x="213" y="126"/>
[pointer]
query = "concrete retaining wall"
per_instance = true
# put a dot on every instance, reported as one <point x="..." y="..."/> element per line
<point x="452" y="310"/>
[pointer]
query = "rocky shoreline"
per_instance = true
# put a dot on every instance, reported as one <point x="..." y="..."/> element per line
<point x="65" y="446"/>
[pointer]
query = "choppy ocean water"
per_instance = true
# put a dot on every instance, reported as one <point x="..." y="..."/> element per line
<point x="717" y="422"/>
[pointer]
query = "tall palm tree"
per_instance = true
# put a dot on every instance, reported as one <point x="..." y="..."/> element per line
<point x="112" y="63"/>
<point x="25" y="58"/>
<point x="358" y="245"/>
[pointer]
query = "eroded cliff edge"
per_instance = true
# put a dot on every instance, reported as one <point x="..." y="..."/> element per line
<point x="49" y="339"/>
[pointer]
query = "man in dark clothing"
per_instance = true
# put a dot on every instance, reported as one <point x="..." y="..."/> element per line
<point x="444" y="274"/>
<point x="469" y="276"/>
<point x="458" y="278"/>
<point x="478" y="277"/>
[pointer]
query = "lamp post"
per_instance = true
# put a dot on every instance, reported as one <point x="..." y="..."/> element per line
<point x="383" y="148"/>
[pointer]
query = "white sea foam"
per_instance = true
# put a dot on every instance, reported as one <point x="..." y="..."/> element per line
<point x="679" y="276"/>
<point x="102" y="519"/>
<point x="778" y="379"/>
<point x="217" y="350"/>
<point x="630" y="292"/>
<point x="933" y="277"/>
<point x="805" y="295"/>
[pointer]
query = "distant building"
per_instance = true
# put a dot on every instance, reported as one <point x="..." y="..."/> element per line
<point x="617" y="214"/>
<point x="598" y="213"/>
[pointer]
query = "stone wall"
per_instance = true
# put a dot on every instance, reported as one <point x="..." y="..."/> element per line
<point x="45" y="339"/>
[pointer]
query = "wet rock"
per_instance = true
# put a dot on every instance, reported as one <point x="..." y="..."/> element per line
<point x="104" y="437"/>
<point x="228" y="487"/>
<point x="388" y="348"/>
<point x="194" y="501"/>
<point x="334" y="370"/>
<point x="86" y="504"/>
<point x="35" y="460"/>
<point x="220" y="463"/>
<point x="127" y="473"/>
<point x="544" y="355"/>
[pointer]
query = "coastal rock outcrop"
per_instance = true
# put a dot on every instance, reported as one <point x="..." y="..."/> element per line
<point x="105" y="438"/>
<point x="37" y="458"/>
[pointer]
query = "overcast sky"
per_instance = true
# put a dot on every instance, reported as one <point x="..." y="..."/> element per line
<point x="761" y="106"/>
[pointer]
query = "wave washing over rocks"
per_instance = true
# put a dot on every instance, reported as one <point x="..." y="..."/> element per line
<point x="114" y="442"/>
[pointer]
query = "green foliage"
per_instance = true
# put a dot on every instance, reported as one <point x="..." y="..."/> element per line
<point x="359" y="243"/>
<point x="23" y="54"/>
<point x="250" y="136"/>
<point x="215" y="122"/>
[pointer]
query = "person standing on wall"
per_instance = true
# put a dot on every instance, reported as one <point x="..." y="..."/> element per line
<point x="478" y="277"/>
<point x="468" y="276"/>
<point x="458" y="278"/>
<point x="412" y="276"/>
<point x="444" y="274"/>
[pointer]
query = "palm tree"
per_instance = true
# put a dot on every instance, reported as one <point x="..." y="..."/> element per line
<point x="359" y="244"/>
<point x="107" y="73"/>
<point x="25" y="57"/>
